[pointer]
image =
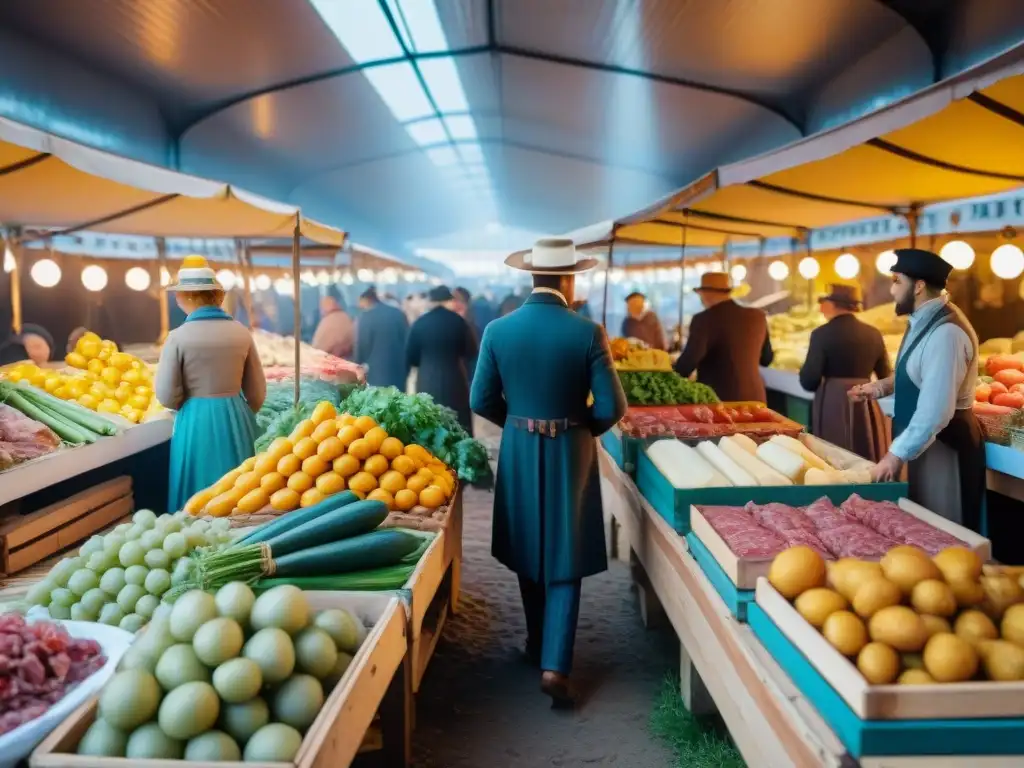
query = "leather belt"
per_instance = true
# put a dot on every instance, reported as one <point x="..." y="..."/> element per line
<point x="545" y="427"/>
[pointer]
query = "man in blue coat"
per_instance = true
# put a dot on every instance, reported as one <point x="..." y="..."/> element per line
<point x="536" y="369"/>
<point x="381" y="333"/>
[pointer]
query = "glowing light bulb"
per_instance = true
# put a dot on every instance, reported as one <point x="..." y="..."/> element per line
<point x="262" y="282"/>
<point x="809" y="268"/>
<point x="46" y="273"/>
<point x="885" y="261"/>
<point x="137" y="279"/>
<point x="847" y="266"/>
<point x="778" y="270"/>
<point x="958" y="254"/>
<point x="226" y="278"/>
<point x="94" y="278"/>
<point x="1007" y="261"/>
<point x="285" y="286"/>
<point x="738" y="273"/>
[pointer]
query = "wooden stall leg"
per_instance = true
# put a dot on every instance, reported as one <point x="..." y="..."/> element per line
<point x="396" y="720"/>
<point x="456" y="577"/>
<point x="651" y="612"/>
<point x="695" y="696"/>
<point x="611" y="535"/>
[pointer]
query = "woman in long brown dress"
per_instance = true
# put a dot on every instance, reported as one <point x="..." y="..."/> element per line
<point x="844" y="353"/>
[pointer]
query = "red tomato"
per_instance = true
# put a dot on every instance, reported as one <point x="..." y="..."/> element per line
<point x="998" y="363"/>
<point x="1009" y="377"/>
<point x="997" y="389"/>
<point x="982" y="393"/>
<point x="1017" y="388"/>
<point x="1010" y="400"/>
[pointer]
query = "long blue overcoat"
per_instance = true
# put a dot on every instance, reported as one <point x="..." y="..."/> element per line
<point x="381" y="333"/>
<point x="541" y="362"/>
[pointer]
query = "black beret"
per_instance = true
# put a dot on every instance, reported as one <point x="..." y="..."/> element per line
<point x="440" y="294"/>
<point x="919" y="264"/>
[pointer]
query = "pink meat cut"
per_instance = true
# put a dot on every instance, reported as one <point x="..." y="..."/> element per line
<point x="889" y="520"/>
<point x="739" y="531"/>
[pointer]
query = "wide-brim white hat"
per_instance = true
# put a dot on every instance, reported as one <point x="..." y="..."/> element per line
<point x="551" y="256"/>
<point x="195" y="275"/>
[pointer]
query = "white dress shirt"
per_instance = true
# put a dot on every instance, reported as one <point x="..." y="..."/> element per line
<point x="943" y="367"/>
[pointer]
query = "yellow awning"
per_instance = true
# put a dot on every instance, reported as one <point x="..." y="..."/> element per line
<point x="49" y="182"/>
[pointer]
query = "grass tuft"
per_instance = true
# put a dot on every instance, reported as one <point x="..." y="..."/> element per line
<point x="695" y="742"/>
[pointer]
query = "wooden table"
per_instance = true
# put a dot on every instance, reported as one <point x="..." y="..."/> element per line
<point x="722" y="665"/>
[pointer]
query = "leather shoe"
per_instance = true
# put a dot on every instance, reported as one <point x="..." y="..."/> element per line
<point x="557" y="686"/>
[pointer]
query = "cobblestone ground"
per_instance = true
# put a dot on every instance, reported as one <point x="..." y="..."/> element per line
<point x="480" y="704"/>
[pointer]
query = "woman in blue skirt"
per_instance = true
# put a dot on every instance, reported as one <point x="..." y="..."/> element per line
<point x="210" y="373"/>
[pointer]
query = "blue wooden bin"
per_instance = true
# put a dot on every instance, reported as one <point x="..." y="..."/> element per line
<point x="623" y="449"/>
<point x="863" y="738"/>
<point x="735" y="599"/>
<point x="674" y="504"/>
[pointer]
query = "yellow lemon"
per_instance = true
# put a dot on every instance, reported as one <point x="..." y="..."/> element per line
<point x="76" y="360"/>
<point x="376" y="465"/>
<point x="289" y="464"/>
<point x="131" y="376"/>
<point x="88" y="348"/>
<point x="323" y="412"/>
<point x="379" y="494"/>
<point x="330" y="482"/>
<point x="300" y="482"/>
<point x="110" y="376"/>
<point x="303" y="429"/>
<point x="405" y="499"/>
<point x="391" y="448"/>
<point x="431" y="497"/>
<point x="109" y="406"/>
<point x="273" y="482"/>
<point x="325" y="429"/>
<point x="285" y="500"/>
<point x="376" y="438"/>
<point x="348" y="435"/>
<point x="403" y="464"/>
<point x="362" y="482"/>
<point x="310" y="498"/>
<point x="364" y="424"/>
<point x="392" y="481"/>
<point x="304" y="448"/>
<point x="346" y="465"/>
<point x="88" y="401"/>
<point x="315" y="466"/>
<point x="121" y="360"/>
<point x="361" y="449"/>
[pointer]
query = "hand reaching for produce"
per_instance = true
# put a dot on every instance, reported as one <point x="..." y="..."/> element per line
<point x="887" y="470"/>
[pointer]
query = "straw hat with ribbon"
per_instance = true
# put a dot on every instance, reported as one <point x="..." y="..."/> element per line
<point x="551" y="256"/>
<point x="714" y="282"/>
<point x="195" y="275"/>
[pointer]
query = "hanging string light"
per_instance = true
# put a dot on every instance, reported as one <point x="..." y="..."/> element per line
<point x="1007" y="261"/>
<point x="738" y="273"/>
<point x="809" y="268"/>
<point x="137" y="279"/>
<point x="885" y="261"/>
<point x="778" y="271"/>
<point x="958" y="254"/>
<point x="847" y="266"/>
<point x="262" y="282"/>
<point x="226" y="278"/>
<point x="46" y="273"/>
<point x="94" y="278"/>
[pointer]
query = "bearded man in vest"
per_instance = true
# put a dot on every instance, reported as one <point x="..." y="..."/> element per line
<point x="536" y="369"/>
<point x="934" y="429"/>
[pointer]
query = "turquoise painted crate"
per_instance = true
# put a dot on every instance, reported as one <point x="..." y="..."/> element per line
<point x="674" y="504"/>
<point x="623" y="449"/>
<point x="864" y="738"/>
<point x="735" y="599"/>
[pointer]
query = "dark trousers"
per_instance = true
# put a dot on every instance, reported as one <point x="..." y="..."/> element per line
<point x="551" y="614"/>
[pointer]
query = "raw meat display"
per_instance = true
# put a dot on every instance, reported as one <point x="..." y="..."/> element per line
<point x="39" y="664"/>
<point x="857" y="528"/>
<point x="744" y="537"/>
<point x="22" y="438"/>
<point x="889" y="520"/>
<point x="697" y="421"/>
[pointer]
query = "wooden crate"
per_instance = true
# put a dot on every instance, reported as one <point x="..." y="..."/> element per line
<point x="744" y="572"/>
<point x="429" y="601"/>
<point x="336" y="736"/>
<point x="964" y="701"/>
<point x="27" y="539"/>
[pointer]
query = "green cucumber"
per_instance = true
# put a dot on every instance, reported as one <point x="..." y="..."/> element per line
<point x="377" y="549"/>
<point x="341" y="523"/>
<point x="295" y="519"/>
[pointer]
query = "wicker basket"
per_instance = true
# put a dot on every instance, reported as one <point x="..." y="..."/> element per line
<point x="997" y="427"/>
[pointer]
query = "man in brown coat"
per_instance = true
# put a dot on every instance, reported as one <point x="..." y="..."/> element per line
<point x="726" y="344"/>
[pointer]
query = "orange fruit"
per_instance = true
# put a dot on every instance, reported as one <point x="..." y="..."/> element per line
<point x="361" y="449"/>
<point x="248" y="464"/>
<point x="346" y="420"/>
<point x="405" y="500"/>
<point x="247" y="481"/>
<point x="376" y="465"/>
<point x="346" y="465"/>
<point x="265" y="464"/>
<point x="304" y="448"/>
<point x="300" y="482"/>
<point x="362" y="482"/>
<point x="431" y="497"/>
<point x="281" y="446"/>
<point x="323" y="412"/>
<point x="416" y="484"/>
<point x="426" y="474"/>
<point x="402" y="464"/>
<point x="324" y="430"/>
<point x="303" y="429"/>
<point x="273" y="482"/>
<point x="391" y="448"/>
<point x="391" y="481"/>
<point x="359" y="494"/>
<point x="379" y="494"/>
<point x="330" y="482"/>
<point x="364" y="424"/>
<point x="330" y="449"/>
<point x="310" y="497"/>
<point x="289" y="465"/>
<point x="253" y="501"/>
<point x="349" y="435"/>
<point x="413" y="450"/>
<point x="376" y="437"/>
<point x="226" y="483"/>
<point x="314" y="466"/>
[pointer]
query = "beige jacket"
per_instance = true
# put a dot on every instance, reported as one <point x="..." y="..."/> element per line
<point x="336" y="334"/>
<point x="210" y="358"/>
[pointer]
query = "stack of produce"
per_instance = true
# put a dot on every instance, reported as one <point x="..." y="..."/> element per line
<point x="911" y="618"/>
<point x="280" y="414"/>
<point x="103" y="380"/>
<point x="336" y="538"/>
<point x="664" y="388"/>
<point x="277" y="354"/>
<point x="119" y="578"/>
<point x="22" y="438"/>
<point x="737" y="460"/>
<point x="41" y="663"/>
<point x="417" y="419"/>
<point x="689" y="421"/>
<point x="856" y="528"/>
<point x="323" y="456"/>
<point x="634" y="356"/>
<point x="70" y="421"/>
<point x="791" y="332"/>
<point x="221" y="677"/>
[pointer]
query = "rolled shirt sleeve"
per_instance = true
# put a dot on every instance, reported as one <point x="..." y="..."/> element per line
<point x="944" y="357"/>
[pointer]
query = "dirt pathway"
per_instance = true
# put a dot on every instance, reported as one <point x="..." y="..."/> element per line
<point x="480" y="706"/>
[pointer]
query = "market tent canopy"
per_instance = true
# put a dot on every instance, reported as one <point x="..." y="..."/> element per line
<point x="961" y="139"/>
<point x="51" y="183"/>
